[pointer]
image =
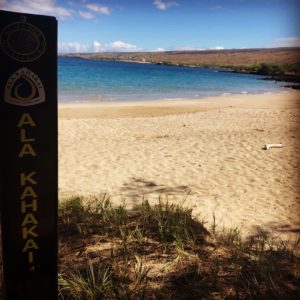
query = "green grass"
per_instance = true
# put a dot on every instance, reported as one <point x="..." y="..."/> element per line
<point x="161" y="251"/>
<point x="88" y="284"/>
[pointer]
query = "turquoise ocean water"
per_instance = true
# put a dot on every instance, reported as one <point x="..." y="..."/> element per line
<point x="83" y="80"/>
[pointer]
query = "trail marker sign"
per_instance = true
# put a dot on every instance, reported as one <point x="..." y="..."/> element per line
<point x="28" y="155"/>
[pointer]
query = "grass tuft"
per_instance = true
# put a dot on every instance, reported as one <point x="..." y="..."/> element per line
<point x="161" y="251"/>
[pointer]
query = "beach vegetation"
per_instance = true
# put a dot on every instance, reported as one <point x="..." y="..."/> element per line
<point x="268" y="69"/>
<point x="155" y="251"/>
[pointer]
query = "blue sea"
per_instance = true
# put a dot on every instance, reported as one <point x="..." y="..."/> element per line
<point x="82" y="80"/>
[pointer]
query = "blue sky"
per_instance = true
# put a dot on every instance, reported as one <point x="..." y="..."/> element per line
<point x="157" y="25"/>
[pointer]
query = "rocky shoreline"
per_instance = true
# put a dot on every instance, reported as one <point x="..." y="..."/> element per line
<point x="293" y="79"/>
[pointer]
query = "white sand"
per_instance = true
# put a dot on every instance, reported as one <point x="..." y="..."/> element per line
<point x="210" y="149"/>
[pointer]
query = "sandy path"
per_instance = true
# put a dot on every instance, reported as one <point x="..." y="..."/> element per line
<point x="209" y="149"/>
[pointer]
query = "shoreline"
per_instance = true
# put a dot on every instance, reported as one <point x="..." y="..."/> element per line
<point x="178" y="99"/>
<point x="128" y="100"/>
<point x="151" y="108"/>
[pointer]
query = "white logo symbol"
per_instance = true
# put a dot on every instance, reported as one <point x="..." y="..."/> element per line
<point x="24" y="88"/>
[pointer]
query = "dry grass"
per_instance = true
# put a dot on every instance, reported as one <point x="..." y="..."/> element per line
<point x="155" y="252"/>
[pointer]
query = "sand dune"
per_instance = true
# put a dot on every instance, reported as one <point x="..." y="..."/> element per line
<point x="208" y="152"/>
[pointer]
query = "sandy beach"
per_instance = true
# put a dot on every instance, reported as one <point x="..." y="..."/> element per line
<point x="207" y="152"/>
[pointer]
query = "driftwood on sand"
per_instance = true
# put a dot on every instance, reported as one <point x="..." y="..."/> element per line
<point x="268" y="146"/>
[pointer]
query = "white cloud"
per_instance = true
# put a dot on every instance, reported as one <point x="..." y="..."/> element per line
<point x="292" y="41"/>
<point x="159" y="50"/>
<point x="51" y="7"/>
<point x="188" y="48"/>
<point x="121" y="46"/>
<point x="117" y="46"/>
<point x="162" y="5"/>
<point x="105" y="10"/>
<point x="218" y="48"/>
<point x="196" y="48"/>
<point x="86" y="15"/>
<point x="48" y="7"/>
<point x="97" y="47"/>
<point x="72" y="47"/>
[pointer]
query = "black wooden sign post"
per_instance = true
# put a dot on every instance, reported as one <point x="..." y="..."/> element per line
<point x="28" y="155"/>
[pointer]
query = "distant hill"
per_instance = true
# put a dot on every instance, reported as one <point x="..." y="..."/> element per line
<point x="208" y="58"/>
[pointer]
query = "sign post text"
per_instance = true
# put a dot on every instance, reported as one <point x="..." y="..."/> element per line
<point x="28" y="161"/>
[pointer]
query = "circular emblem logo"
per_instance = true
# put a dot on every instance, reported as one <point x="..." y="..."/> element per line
<point x="24" y="88"/>
<point x="22" y="41"/>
